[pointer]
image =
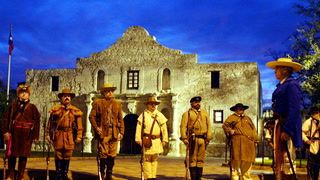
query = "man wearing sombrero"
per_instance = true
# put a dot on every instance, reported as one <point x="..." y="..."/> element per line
<point x="21" y="125"/>
<point x="64" y="120"/>
<point x="286" y="106"/>
<point x="243" y="135"/>
<point x="151" y="128"/>
<point x="107" y="122"/>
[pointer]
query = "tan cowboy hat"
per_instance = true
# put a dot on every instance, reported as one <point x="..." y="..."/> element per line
<point x="152" y="100"/>
<point x="108" y="87"/>
<point x="66" y="91"/>
<point x="285" y="62"/>
<point x="22" y="87"/>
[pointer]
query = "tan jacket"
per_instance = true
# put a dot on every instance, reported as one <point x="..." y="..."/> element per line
<point x="309" y="129"/>
<point x="244" y="137"/>
<point x="159" y="128"/>
<point x="196" y="122"/>
<point x="107" y="114"/>
<point x="60" y="126"/>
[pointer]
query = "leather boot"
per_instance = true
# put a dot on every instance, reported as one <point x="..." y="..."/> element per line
<point x="102" y="167"/>
<point x="21" y="167"/>
<point x="199" y="173"/>
<point x="11" y="166"/>
<point x="193" y="173"/>
<point x="65" y="169"/>
<point x="110" y="164"/>
<point x="58" y="164"/>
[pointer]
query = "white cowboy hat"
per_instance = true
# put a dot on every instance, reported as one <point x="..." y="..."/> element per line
<point x="287" y="62"/>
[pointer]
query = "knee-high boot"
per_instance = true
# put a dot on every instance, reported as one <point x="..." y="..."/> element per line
<point x="11" y="166"/>
<point x="58" y="164"/>
<point x="102" y="167"/>
<point x="199" y="173"/>
<point x="65" y="169"/>
<point x="193" y="172"/>
<point x="21" y="167"/>
<point x="110" y="164"/>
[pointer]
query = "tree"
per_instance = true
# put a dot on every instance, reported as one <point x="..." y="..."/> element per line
<point x="306" y="48"/>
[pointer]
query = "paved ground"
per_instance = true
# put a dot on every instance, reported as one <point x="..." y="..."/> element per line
<point x="129" y="168"/>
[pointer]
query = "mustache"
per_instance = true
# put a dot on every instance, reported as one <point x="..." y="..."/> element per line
<point x="67" y="99"/>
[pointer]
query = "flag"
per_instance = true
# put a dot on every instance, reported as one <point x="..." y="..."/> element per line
<point x="10" y="43"/>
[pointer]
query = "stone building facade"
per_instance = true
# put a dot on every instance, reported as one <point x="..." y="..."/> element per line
<point x="140" y="67"/>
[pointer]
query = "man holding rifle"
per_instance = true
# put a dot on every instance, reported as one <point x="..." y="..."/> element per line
<point x="107" y="122"/>
<point x="64" y="118"/>
<point x="196" y="133"/>
<point x="152" y="136"/>
<point x="21" y="125"/>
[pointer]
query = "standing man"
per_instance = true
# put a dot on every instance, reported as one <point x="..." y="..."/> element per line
<point x="196" y="133"/>
<point x="311" y="137"/>
<point x="240" y="128"/>
<point x="106" y="120"/>
<point x="151" y="125"/>
<point x="286" y="106"/>
<point x="64" y="119"/>
<point x="21" y="125"/>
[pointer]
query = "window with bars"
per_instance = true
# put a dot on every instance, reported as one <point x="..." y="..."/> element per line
<point x="218" y="116"/>
<point x="133" y="80"/>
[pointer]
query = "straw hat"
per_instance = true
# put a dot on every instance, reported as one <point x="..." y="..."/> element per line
<point x="108" y="87"/>
<point x="23" y="88"/>
<point x="152" y="100"/>
<point x="239" y="105"/>
<point x="285" y="62"/>
<point x="66" y="91"/>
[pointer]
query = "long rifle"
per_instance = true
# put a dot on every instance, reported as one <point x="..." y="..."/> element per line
<point x="142" y="159"/>
<point x="98" y="160"/>
<point x="8" y="144"/>
<point x="186" y="163"/>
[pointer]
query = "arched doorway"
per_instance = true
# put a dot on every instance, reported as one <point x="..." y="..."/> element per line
<point x="128" y="144"/>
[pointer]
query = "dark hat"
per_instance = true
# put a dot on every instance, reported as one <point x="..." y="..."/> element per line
<point x="239" y="105"/>
<point x="314" y="110"/>
<point x="152" y="100"/>
<point x="196" y="98"/>
<point x="23" y="87"/>
<point x="107" y="87"/>
<point x="66" y="91"/>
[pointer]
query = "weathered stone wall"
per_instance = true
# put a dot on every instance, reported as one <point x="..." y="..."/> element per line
<point x="137" y="50"/>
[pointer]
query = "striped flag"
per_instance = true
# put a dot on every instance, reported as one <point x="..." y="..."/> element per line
<point x="10" y="43"/>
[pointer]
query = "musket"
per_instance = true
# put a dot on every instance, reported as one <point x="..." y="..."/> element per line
<point x="48" y="160"/>
<point x="98" y="160"/>
<point x="8" y="145"/>
<point x="142" y="159"/>
<point x="186" y="163"/>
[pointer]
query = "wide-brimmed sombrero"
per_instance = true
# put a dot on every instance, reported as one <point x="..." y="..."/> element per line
<point x="66" y="91"/>
<point x="152" y="100"/>
<point x="108" y="87"/>
<point x="285" y="62"/>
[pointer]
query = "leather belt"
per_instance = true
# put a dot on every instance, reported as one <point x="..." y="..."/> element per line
<point x="23" y="124"/>
<point x="152" y="136"/>
<point x="65" y="129"/>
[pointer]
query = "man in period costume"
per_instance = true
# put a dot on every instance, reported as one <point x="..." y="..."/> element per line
<point x="151" y="125"/>
<point x="196" y="133"/>
<point x="240" y="128"/>
<point x="21" y="123"/>
<point x="64" y="129"/>
<point x="286" y="106"/>
<point x="107" y="122"/>
<point x="311" y="137"/>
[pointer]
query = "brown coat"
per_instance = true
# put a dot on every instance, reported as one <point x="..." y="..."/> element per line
<point x="244" y="138"/>
<point x="24" y="128"/>
<point x="60" y="126"/>
<point x="107" y="114"/>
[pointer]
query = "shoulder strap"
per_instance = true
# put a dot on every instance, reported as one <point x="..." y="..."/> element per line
<point x="154" y="120"/>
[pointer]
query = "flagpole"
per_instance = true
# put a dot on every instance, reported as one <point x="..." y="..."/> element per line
<point x="10" y="49"/>
<point x="9" y="73"/>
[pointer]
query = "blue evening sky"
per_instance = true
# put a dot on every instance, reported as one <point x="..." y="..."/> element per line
<point x="52" y="33"/>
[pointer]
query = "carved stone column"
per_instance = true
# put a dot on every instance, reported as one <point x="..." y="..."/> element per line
<point x="88" y="135"/>
<point x="174" y="136"/>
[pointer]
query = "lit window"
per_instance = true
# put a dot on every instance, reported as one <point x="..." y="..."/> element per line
<point x="218" y="116"/>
